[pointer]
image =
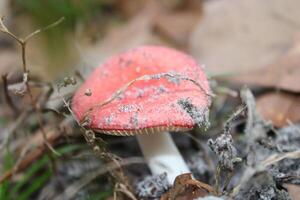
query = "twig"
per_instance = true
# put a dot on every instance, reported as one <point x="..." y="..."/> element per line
<point x="217" y="180"/>
<point x="36" y="107"/>
<point x="8" y="97"/>
<point x="72" y="189"/>
<point x="40" y="148"/>
<point x="119" y="187"/>
<point x="278" y="157"/>
<point x="116" y="172"/>
<point x="56" y="23"/>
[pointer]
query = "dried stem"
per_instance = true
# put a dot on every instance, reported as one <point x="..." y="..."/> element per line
<point x="35" y="105"/>
<point x="100" y="151"/>
<point x="8" y="97"/>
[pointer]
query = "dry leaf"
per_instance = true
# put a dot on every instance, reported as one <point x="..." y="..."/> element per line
<point x="240" y="35"/>
<point x="176" y="27"/>
<point x="155" y="24"/>
<point x="138" y="31"/>
<point x="279" y="107"/>
<point x="294" y="191"/>
<point x="283" y="73"/>
<point x="186" y="188"/>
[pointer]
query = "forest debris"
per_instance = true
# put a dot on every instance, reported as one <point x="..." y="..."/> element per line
<point x="242" y="35"/>
<point x="282" y="74"/>
<point x="200" y="167"/>
<point x="130" y="8"/>
<point x="277" y="157"/>
<point x="261" y="186"/>
<point x="256" y="126"/>
<point x="279" y="107"/>
<point x="294" y="191"/>
<point x="152" y="24"/>
<point x="210" y="198"/>
<point x="176" y="27"/>
<point x="73" y="188"/>
<point x="186" y="188"/>
<point x="39" y="148"/>
<point x="223" y="147"/>
<point x="288" y="138"/>
<point x="152" y="186"/>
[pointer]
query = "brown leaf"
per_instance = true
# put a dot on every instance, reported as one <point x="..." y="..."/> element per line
<point x="138" y="31"/>
<point x="294" y="191"/>
<point x="176" y="27"/>
<point x="186" y="188"/>
<point x="241" y="35"/>
<point x="283" y="73"/>
<point x="279" y="107"/>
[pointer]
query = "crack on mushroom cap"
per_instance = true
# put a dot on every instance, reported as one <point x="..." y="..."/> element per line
<point x="199" y="115"/>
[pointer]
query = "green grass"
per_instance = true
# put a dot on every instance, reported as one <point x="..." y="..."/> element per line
<point x="7" y="164"/>
<point x="32" y="180"/>
<point x="101" y="195"/>
<point x="36" y="176"/>
<point x="46" y="11"/>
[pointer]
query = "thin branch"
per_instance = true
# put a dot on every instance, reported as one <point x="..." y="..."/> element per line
<point x="8" y="97"/>
<point x="22" y="41"/>
<point x="35" y="105"/>
<point x="73" y="189"/>
<point x="44" y="29"/>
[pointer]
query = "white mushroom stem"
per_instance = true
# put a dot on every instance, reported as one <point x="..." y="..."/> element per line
<point x="162" y="155"/>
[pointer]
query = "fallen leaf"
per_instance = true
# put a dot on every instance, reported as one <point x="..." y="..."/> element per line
<point x="294" y="191"/>
<point x="154" y="24"/>
<point x="279" y="107"/>
<point x="283" y="74"/>
<point x="241" y="35"/>
<point x="130" y="8"/>
<point x="187" y="188"/>
<point x="136" y="32"/>
<point x="176" y="27"/>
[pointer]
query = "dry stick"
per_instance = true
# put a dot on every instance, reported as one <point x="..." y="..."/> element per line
<point x="73" y="188"/>
<point x="8" y="97"/>
<point x="90" y="138"/>
<point x="31" y="156"/>
<point x="226" y="130"/>
<point x="36" y="107"/>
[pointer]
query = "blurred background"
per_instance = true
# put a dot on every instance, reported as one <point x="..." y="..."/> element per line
<point x="240" y="42"/>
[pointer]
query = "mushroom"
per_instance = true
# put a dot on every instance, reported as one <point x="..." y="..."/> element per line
<point x="147" y="92"/>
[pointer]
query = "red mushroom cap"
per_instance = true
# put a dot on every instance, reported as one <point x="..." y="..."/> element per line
<point x="173" y="94"/>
